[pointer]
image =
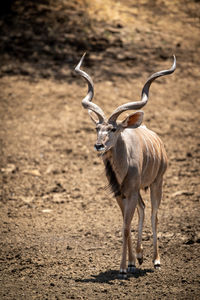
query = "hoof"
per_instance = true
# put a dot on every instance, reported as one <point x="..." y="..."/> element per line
<point x="122" y="275"/>
<point x="131" y="268"/>
<point x="140" y="260"/>
<point x="157" y="266"/>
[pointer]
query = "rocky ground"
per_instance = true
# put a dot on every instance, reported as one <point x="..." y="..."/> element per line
<point x="60" y="229"/>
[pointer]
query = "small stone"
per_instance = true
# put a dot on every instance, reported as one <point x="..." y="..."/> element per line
<point x="10" y="168"/>
<point x="27" y="199"/>
<point x="47" y="210"/>
<point x="58" y="198"/>
<point x="33" y="172"/>
<point x="180" y="193"/>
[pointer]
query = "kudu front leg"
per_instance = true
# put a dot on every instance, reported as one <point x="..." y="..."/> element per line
<point x="131" y="256"/>
<point x="129" y="205"/>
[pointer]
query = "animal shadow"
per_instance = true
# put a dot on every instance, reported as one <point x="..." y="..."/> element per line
<point x="110" y="275"/>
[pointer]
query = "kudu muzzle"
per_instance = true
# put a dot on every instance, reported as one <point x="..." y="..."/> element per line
<point x="99" y="147"/>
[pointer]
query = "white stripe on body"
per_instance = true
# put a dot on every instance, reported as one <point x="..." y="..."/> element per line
<point x="146" y="139"/>
<point x="147" y="156"/>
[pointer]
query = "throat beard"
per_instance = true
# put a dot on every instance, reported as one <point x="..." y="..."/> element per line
<point x="112" y="179"/>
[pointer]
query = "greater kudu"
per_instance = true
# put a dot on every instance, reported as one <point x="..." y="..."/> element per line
<point x="134" y="159"/>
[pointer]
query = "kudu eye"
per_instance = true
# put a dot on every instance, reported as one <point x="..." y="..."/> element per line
<point x="113" y="129"/>
<point x="97" y="128"/>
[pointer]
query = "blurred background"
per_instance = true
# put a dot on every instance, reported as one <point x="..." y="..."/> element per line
<point x="45" y="38"/>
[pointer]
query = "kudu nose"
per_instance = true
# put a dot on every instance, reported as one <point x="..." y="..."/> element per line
<point x="99" y="146"/>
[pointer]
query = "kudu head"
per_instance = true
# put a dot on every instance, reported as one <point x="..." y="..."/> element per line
<point x="109" y="129"/>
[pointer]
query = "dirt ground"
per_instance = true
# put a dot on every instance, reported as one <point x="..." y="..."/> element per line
<point x="60" y="230"/>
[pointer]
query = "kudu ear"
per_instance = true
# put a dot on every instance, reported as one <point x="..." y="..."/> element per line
<point x="93" y="117"/>
<point x="133" y="121"/>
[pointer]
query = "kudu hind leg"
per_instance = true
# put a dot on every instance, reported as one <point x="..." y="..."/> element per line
<point x="141" y="214"/>
<point x="156" y="195"/>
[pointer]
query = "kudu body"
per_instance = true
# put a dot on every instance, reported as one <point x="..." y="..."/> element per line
<point x="134" y="159"/>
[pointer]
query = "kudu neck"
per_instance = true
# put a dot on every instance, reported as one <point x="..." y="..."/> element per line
<point x="118" y="150"/>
